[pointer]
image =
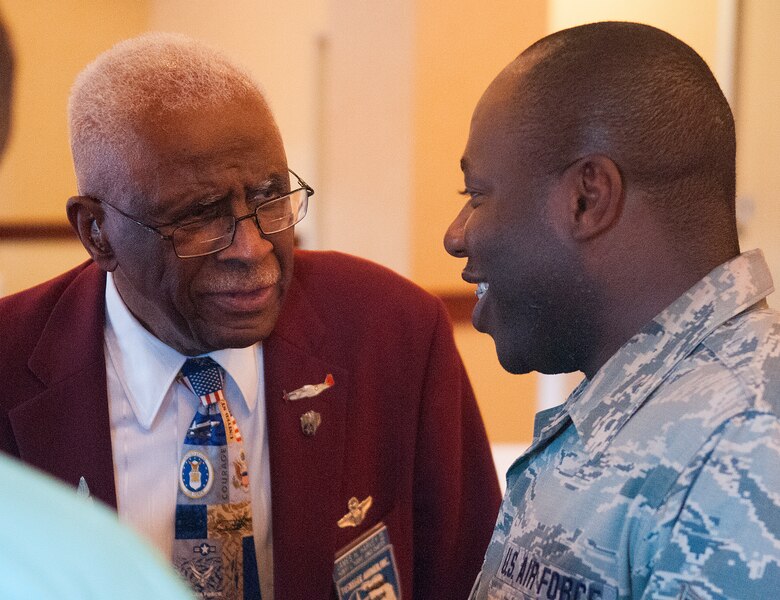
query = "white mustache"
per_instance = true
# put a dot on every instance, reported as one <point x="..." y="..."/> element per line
<point x="241" y="282"/>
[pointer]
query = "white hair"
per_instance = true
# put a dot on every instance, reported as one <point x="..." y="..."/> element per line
<point x="114" y="94"/>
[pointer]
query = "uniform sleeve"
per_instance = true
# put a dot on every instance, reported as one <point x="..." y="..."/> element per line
<point x="724" y="539"/>
<point x="456" y="493"/>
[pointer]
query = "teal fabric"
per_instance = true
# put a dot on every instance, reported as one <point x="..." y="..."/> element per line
<point x="54" y="544"/>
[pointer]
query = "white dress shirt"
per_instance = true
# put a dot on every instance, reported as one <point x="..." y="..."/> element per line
<point x="150" y="412"/>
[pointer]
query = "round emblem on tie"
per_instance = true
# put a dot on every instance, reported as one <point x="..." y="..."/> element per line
<point x="195" y="474"/>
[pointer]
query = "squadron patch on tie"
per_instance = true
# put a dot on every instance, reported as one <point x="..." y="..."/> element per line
<point x="195" y="474"/>
<point x="203" y="570"/>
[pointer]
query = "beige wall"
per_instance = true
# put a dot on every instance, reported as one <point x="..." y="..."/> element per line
<point x="694" y="21"/>
<point x="507" y="402"/>
<point x="758" y="132"/>
<point x="367" y="141"/>
<point x="459" y="48"/>
<point x="23" y="264"/>
<point x="53" y="41"/>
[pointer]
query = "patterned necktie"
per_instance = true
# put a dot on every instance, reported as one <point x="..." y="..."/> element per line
<point x="214" y="549"/>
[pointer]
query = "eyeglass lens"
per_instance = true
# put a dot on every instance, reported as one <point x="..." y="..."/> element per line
<point x="208" y="237"/>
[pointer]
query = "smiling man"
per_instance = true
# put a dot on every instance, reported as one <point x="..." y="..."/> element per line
<point x="180" y="371"/>
<point x="600" y="232"/>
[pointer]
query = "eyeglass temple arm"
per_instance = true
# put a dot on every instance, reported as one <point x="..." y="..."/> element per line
<point x="309" y="189"/>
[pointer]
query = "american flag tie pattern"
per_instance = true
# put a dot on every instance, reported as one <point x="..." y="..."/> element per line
<point x="213" y="547"/>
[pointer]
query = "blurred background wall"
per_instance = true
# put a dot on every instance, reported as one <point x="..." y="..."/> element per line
<point x="374" y="101"/>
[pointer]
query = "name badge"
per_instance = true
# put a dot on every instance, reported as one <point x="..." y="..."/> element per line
<point x="366" y="568"/>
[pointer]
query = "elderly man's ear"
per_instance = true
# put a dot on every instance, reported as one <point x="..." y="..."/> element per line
<point x="594" y="197"/>
<point x="86" y="217"/>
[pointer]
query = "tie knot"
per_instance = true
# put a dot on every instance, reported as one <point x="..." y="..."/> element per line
<point x="202" y="375"/>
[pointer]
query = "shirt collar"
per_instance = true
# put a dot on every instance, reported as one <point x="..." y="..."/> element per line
<point x="600" y="407"/>
<point x="146" y="367"/>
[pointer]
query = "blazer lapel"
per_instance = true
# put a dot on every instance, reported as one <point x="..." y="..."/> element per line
<point x="306" y="470"/>
<point x="65" y="430"/>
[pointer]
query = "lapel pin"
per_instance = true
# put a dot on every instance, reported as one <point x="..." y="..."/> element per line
<point x="310" y="421"/>
<point x="83" y="490"/>
<point x="310" y="390"/>
<point x="357" y="512"/>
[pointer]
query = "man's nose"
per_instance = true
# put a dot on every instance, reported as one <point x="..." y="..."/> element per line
<point x="454" y="238"/>
<point x="248" y="241"/>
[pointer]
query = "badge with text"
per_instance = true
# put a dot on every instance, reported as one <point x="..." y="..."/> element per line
<point x="366" y="569"/>
<point x="523" y="575"/>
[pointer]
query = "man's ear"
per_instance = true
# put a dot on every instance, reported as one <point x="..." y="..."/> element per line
<point x="594" y="187"/>
<point x="86" y="217"/>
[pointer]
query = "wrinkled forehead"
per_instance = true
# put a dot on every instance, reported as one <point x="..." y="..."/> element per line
<point x="197" y="143"/>
<point x="198" y="133"/>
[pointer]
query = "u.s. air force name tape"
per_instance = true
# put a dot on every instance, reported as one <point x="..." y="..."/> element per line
<point x="523" y="576"/>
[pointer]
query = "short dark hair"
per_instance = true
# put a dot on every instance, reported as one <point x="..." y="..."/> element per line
<point x="645" y="99"/>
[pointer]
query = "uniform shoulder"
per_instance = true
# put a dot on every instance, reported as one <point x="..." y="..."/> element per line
<point x="747" y="345"/>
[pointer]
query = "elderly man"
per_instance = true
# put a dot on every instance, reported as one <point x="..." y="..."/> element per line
<point x="290" y="430"/>
<point x="600" y="232"/>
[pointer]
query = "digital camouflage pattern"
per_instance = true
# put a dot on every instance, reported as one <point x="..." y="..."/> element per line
<point x="660" y="477"/>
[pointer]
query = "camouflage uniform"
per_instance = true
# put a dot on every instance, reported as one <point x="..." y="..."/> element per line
<point x="660" y="477"/>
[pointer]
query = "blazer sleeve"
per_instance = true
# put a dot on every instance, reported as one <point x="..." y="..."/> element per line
<point x="456" y="492"/>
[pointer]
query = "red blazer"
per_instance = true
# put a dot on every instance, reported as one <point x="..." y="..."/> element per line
<point x="401" y="424"/>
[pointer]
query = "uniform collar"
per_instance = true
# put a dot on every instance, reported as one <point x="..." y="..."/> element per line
<point x="146" y="367"/>
<point x="600" y="407"/>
